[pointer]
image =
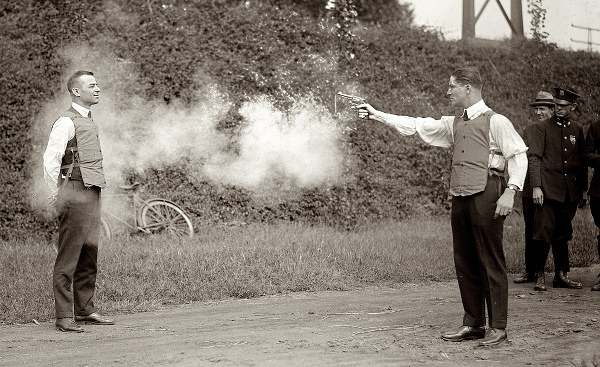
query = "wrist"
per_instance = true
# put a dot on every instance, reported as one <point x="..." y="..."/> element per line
<point x="377" y="117"/>
<point x="511" y="190"/>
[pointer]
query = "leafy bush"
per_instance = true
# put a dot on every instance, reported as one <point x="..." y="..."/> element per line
<point x="256" y="50"/>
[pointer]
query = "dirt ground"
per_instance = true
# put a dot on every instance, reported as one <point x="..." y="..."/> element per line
<point x="376" y="326"/>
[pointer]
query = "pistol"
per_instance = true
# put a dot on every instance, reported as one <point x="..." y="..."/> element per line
<point x="352" y="99"/>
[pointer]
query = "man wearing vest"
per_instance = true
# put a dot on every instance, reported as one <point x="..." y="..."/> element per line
<point x="483" y="142"/>
<point x="73" y="173"/>
<point x="559" y="178"/>
<point x="544" y="109"/>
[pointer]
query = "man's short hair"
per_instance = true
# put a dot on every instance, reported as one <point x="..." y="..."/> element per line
<point x="75" y="77"/>
<point x="468" y="75"/>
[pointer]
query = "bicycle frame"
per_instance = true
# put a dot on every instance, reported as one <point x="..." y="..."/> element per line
<point x="137" y="202"/>
<point x="149" y="216"/>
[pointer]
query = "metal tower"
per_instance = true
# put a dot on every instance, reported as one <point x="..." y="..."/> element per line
<point x="515" y="21"/>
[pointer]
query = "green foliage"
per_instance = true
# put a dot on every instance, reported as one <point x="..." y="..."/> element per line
<point x="538" y="19"/>
<point x="368" y="11"/>
<point x="251" y="49"/>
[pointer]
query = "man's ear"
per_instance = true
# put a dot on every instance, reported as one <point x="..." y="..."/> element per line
<point x="75" y="91"/>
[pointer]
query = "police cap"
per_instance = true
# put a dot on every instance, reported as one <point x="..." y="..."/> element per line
<point x="563" y="95"/>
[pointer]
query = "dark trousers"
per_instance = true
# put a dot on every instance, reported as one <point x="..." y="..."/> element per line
<point x="595" y="209"/>
<point x="530" y="250"/>
<point x="479" y="256"/>
<point x="76" y="262"/>
<point x="553" y="228"/>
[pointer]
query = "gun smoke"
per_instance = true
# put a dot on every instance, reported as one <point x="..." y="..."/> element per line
<point x="294" y="149"/>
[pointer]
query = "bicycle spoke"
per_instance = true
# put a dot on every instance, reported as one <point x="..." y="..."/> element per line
<point x="165" y="217"/>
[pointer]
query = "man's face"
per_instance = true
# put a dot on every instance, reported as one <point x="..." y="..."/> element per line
<point x="87" y="90"/>
<point x="543" y="112"/>
<point x="563" y="108"/>
<point x="457" y="93"/>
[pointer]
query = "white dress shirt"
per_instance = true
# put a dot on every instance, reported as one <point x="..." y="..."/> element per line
<point x="440" y="133"/>
<point x="63" y="130"/>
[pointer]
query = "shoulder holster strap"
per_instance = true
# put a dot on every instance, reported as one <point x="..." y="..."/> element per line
<point x="70" y="166"/>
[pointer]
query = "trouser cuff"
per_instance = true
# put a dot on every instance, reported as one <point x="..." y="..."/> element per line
<point x="498" y="324"/>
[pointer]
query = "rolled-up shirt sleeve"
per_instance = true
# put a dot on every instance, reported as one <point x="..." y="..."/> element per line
<point x="63" y="130"/>
<point x="513" y="148"/>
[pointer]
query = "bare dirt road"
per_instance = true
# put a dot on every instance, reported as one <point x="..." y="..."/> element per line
<point x="376" y="326"/>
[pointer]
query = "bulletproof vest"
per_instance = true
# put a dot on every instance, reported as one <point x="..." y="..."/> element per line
<point x="83" y="152"/>
<point x="470" y="159"/>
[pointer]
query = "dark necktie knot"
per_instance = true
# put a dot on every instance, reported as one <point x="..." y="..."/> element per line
<point x="90" y="114"/>
<point x="465" y="116"/>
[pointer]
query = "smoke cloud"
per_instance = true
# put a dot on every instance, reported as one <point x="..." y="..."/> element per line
<point x="298" y="148"/>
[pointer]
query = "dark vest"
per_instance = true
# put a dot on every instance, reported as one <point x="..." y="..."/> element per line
<point x="470" y="159"/>
<point x="83" y="152"/>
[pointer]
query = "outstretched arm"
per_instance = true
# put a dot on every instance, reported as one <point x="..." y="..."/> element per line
<point x="434" y="132"/>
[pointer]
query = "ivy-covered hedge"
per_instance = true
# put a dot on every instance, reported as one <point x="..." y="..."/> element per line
<point x="251" y="50"/>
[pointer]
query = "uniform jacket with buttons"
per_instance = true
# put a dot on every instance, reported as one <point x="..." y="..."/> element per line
<point x="556" y="160"/>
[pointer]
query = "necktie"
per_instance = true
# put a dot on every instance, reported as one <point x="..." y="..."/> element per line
<point x="465" y="117"/>
<point x="90" y="114"/>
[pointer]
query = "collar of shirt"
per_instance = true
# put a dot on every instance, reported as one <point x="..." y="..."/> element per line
<point x="477" y="109"/>
<point x="82" y="110"/>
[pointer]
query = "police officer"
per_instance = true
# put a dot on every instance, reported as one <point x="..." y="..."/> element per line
<point x="543" y="108"/>
<point x="559" y="179"/>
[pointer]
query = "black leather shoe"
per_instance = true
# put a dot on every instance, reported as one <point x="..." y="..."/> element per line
<point x="493" y="337"/>
<point x="596" y="287"/>
<point x="465" y="333"/>
<point x="540" y="282"/>
<point x="524" y="278"/>
<point x="94" y="319"/>
<point x="562" y="281"/>
<point x="68" y="325"/>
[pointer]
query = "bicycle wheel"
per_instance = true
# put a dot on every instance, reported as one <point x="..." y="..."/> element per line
<point x="105" y="232"/>
<point x="162" y="216"/>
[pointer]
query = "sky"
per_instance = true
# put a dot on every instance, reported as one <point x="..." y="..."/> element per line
<point x="446" y="16"/>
